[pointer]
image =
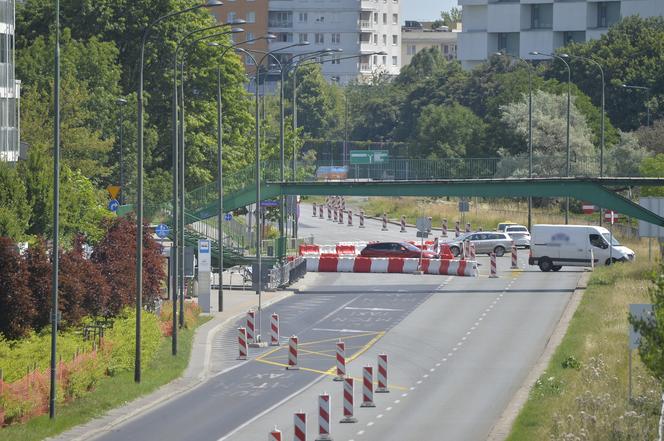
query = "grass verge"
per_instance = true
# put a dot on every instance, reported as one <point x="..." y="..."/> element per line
<point x="583" y="395"/>
<point x="111" y="392"/>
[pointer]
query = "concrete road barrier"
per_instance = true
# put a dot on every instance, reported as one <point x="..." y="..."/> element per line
<point x="343" y="264"/>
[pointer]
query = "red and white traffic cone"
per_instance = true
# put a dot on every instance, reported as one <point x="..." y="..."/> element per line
<point x="292" y="353"/>
<point x="384" y="222"/>
<point x="300" y="427"/>
<point x="348" y="402"/>
<point x="324" y="418"/>
<point x="367" y="387"/>
<point x="515" y="263"/>
<point x="350" y="218"/>
<point x="335" y="217"/>
<point x="468" y="227"/>
<point x="274" y="330"/>
<point x="382" y="374"/>
<point x="494" y="272"/>
<point x="361" y="218"/>
<point x="275" y="435"/>
<point x="320" y="212"/>
<point x="329" y="212"/>
<point x="242" y="343"/>
<point x="457" y="229"/>
<point x="444" y="227"/>
<point x="341" y="361"/>
<point x="251" y="330"/>
<point x="403" y="224"/>
<point x="314" y="205"/>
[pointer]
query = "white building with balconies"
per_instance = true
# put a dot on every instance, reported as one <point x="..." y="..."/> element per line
<point x="10" y="87"/>
<point x="519" y="27"/>
<point x="358" y="27"/>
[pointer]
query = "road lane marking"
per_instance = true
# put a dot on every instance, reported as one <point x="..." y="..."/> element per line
<point x="354" y="308"/>
<point x="352" y="331"/>
<point x="370" y="423"/>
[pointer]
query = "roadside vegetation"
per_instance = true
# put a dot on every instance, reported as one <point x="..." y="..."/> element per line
<point x="583" y="395"/>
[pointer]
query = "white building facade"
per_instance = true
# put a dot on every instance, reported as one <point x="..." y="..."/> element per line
<point x="9" y="87"/>
<point x="519" y="27"/>
<point x="358" y="27"/>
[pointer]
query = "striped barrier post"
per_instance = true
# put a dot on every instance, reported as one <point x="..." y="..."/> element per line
<point x="341" y="361"/>
<point x="403" y="224"/>
<point x="444" y="227"/>
<point x="350" y="218"/>
<point x="468" y="227"/>
<point x="300" y="427"/>
<point x="367" y="387"/>
<point x="251" y="321"/>
<point x="329" y="212"/>
<point x="382" y="374"/>
<point x="242" y="343"/>
<point x="341" y="216"/>
<point x="384" y="222"/>
<point x="457" y="229"/>
<point x="343" y="203"/>
<point x="314" y="209"/>
<point x="494" y="272"/>
<point x="292" y="353"/>
<point x="361" y="218"/>
<point x="274" y="330"/>
<point x="275" y="435"/>
<point x="320" y="212"/>
<point x="473" y="256"/>
<point x="324" y="417"/>
<point x="515" y="263"/>
<point x="348" y="402"/>
<point x="335" y="217"/>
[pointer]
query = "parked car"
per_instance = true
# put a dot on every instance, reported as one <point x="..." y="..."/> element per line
<point x="501" y="226"/>
<point x="555" y="246"/>
<point x="519" y="234"/>
<point x="395" y="249"/>
<point x="485" y="243"/>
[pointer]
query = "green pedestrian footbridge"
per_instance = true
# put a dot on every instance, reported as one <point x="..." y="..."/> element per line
<point x="485" y="177"/>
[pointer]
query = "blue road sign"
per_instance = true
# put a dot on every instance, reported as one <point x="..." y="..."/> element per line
<point x="162" y="230"/>
<point x="113" y="205"/>
<point x="269" y="203"/>
<point x="228" y="217"/>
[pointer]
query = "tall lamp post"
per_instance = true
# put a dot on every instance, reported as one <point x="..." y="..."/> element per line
<point x="569" y="101"/>
<point x="139" y="187"/>
<point x="530" y="128"/>
<point x="647" y="90"/>
<point x="121" y="102"/>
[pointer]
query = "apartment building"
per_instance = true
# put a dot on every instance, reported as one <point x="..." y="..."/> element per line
<point x="521" y="26"/>
<point x="10" y="88"/>
<point x="419" y="35"/>
<point x="358" y="27"/>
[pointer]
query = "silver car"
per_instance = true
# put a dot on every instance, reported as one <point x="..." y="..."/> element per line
<point x="519" y="234"/>
<point x="485" y="243"/>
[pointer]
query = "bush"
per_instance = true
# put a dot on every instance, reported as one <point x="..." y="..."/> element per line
<point x="121" y="339"/>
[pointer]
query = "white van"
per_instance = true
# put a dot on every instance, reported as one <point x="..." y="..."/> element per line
<point x="555" y="246"/>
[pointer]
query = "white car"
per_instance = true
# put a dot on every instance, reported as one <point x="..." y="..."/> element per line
<point x="519" y="234"/>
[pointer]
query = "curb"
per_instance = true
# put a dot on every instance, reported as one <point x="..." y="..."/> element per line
<point x="502" y="428"/>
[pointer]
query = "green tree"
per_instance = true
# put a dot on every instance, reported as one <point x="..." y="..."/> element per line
<point x="652" y="137"/>
<point x="447" y="131"/>
<point x="625" y="158"/>
<point x="651" y="347"/>
<point x="14" y="207"/>
<point x="653" y="167"/>
<point x="451" y="18"/>
<point x="17" y="308"/>
<point x="316" y="102"/>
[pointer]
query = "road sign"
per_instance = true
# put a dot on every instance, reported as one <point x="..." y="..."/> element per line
<point x="656" y="205"/>
<point x="588" y="208"/>
<point x="113" y="205"/>
<point x="464" y="206"/>
<point x="269" y="203"/>
<point x="113" y="191"/>
<point x="423" y="224"/>
<point x="359" y="157"/>
<point x="204" y="255"/>
<point x="162" y="230"/>
<point x="422" y="234"/>
<point x="228" y="217"/>
<point x="639" y="311"/>
<point x="611" y="216"/>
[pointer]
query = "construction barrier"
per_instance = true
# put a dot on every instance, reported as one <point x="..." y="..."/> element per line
<point x="292" y="353"/>
<point x="403" y="224"/>
<point x="361" y="218"/>
<point x="274" y="330"/>
<point x="367" y="387"/>
<point x="341" y="361"/>
<point x="300" y="426"/>
<point x="494" y="272"/>
<point x="384" y="222"/>
<point x="323" y="418"/>
<point x="309" y="249"/>
<point x="444" y="227"/>
<point x="382" y="374"/>
<point x="340" y="264"/>
<point x="314" y="206"/>
<point x="335" y="216"/>
<point x="350" y="218"/>
<point x="320" y="212"/>
<point x="242" y="343"/>
<point x="275" y="435"/>
<point x="515" y="263"/>
<point x="341" y="217"/>
<point x="251" y="331"/>
<point x="346" y="249"/>
<point x="348" y="402"/>
<point x="329" y="213"/>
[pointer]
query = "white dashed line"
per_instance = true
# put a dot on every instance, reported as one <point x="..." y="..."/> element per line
<point x="419" y="381"/>
<point x="379" y="416"/>
<point x="397" y="401"/>
<point x="388" y="408"/>
<point x="405" y="394"/>
<point x="370" y="423"/>
<point x="425" y="376"/>
<point x="360" y="432"/>
<point x="437" y="364"/>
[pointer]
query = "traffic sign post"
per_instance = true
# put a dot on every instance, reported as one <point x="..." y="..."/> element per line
<point x="423" y="225"/>
<point x="162" y="231"/>
<point x="113" y="205"/>
<point x="113" y="191"/>
<point x="228" y="217"/>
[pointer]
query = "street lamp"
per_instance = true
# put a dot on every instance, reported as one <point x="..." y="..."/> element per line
<point x="121" y="102"/>
<point x="530" y="128"/>
<point x="647" y="89"/>
<point x="139" y="187"/>
<point x="569" y="94"/>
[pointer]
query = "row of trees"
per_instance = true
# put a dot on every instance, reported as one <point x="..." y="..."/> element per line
<point x="98" y="285"/>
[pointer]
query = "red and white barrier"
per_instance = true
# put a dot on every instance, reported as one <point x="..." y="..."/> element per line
<point x="341" y="216"/>
<point x="384" y="222"/>
<point x="367" y="387"/>
<point x="300" y="427"/>
<point x="382" y="374"/>
<point x="292" y="353"/>
<point x="275" y="435"/>
<point x="323" y="417"/>
<point x="515" y="262"/>
<point x="320" y="212"/>
<point x="329" y="212"/>
<point x="494" y="271"/>
<point x="242" y="343"/>
<point x="314" y="206"/>
<point x="335" y="216"/>
<point x="361" y="218"/>
<point x="444" y="227"/>
<point x="341" y="361"/>
<point x="274" y="330"/>
<point x="350" y="218"/>
<point x="339" y="264"/>
<point x="403" y="224"/>
<point x="348" y="402"/>
<point x="346" y="249"/>
<point x="251" y="330"/>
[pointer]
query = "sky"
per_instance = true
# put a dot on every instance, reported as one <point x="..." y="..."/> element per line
<point x="425" y="9"/>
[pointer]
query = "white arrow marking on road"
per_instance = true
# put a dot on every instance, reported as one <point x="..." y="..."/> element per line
<point x="353" y="308"/>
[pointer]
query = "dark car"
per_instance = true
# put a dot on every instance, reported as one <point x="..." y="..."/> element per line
<point x="395" y="249"/>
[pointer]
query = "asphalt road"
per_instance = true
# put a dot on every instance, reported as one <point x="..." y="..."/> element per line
<point x="458" y="347"/>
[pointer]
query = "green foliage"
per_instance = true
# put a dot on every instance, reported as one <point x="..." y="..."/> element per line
<point x="451" y="18"/>
<point x="122" y="340"/>
<point x="14" y="207"/>
<point x="447" y="131"/>
<point x="653" y="167"/>
<point x="626" y="157"/>
<point x="651" y="346"/>
<point x="652" y="137"/>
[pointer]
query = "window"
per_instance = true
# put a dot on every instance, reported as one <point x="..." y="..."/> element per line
<point x="250" y="36"/>
<point x="384" y="60"/>
<point x="320" y="38"/>
<point x="598" y="241"/>
<point x="395" y="40"/>
<point x="375" y="17"/>
<point x="336" y="59"/>
<point x="384" y="39"/>
<point x="375" y="38"/>
<point x="385" y="19"/>
<point x="231" y="17"/>
<point x="411" y="49"/>
<point x="336" y="38"/>
<point x="303" y="37"/>
<point x="395" y="19"/>
<point x="280" y="19"/>
<point x="284" y="37"/>
<point x="395" y="61"/>
<point x="251" y="17"/>
<point x="302" y="17"/>
<point x="248" y="60"/>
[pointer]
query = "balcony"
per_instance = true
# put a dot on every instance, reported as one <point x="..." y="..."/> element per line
<point x="365" y="67"/>
<point x="366" y="25"/>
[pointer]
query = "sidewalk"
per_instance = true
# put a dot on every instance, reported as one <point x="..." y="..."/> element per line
<point x="236" y="303"/>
